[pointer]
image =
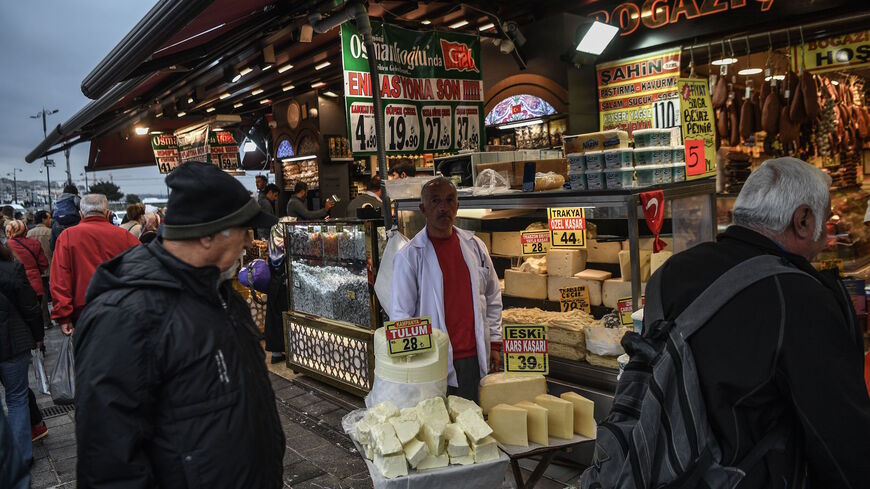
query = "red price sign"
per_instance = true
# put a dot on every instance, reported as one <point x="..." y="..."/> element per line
<point x="696" y="163"/>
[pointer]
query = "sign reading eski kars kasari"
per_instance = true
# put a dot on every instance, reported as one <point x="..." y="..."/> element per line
<point x="430" y="84"/>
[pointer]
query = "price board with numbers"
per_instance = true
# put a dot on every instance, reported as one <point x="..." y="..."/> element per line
<point x="430" y="84"/>
<point x="625" y="310"/>
<point x="535" y="242"/>
<point x="525" y="349"/>
<point x="408" y="336"/>
<point x="698" y="126"/>
<point x="165" y="147"/>
<point x="567" y="227"/>
<point x="574" y="299"/>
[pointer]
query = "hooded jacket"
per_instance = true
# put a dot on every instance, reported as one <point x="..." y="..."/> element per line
<point x="171" y="383"/>
<point x="20" y="312"/>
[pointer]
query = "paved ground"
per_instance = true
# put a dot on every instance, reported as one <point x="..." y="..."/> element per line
<point x="318" y="453"/>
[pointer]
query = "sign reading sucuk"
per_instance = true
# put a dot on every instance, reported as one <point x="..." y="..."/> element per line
<point x="430" y="84"/>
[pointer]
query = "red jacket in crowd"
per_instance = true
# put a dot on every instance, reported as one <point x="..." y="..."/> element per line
<point x="29" y="253"/>
<point x="80" y="249"/>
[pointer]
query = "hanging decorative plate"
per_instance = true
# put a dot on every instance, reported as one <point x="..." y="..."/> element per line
<point x="294" y="114"/>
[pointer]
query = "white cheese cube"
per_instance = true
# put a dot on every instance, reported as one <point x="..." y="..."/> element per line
<point x="409" y="411"/>
<point x="384" y="411"/>
<point x="525" y="284"/>
<point x="625" y="264"/>
<point x="433" y="434"/>
<point x="536" y="422"/>
<point x="415" y="451"/>
<point x="485" y="451"/>
<point x="456" y="405"/>
<point x="457" y="444"/>
<point x="591" y="274"/>
<point x="363" y="430"/>
<point x="565" y="263"/>
<point x="560" y="415"/>
<point x="406" y="429"/>
<point x="473" y="425"/>
<point x="434" y="462"/>
<point x="584" y="422"/>
<point x="391" y="466"/>
<point x="603" y="252"/>
<point x="615" y="289"/>
<point x="433" y="409"/>
<point x="463" y="460"/>
<point x="498" y="388"/>
<point x="385" y="440"/>
<point x="368" y="451"/>
<point x="509" y="425"/>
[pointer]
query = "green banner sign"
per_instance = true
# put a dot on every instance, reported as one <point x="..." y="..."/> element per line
<point x="430" y="84"/>
<point x="165" y="147"/>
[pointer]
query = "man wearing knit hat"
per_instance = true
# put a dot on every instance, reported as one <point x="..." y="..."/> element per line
<point x="172" y="387"/>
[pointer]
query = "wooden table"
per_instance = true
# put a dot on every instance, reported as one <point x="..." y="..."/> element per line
<point x="548" y="453"/>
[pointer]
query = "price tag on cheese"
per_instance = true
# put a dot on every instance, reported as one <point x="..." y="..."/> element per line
<point x="567" y="227"/>
<point x="525" y="349"/>
<point x="408" y="336"/>
<point x="535" y="242"/>
<point x="625" y="310"/>
<point x="574" y="298"/>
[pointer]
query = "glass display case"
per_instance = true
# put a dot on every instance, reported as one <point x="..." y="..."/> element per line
<point x="331" y="269"/>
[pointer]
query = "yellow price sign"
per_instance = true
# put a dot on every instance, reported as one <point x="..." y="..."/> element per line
<point x="525" y="349"/>
<point x="408" y="336"/>
<point x="535" y="242"/>
<point x="567" y="227"/>
<point x="574" y="299"/>
<point x="625" y="310"/>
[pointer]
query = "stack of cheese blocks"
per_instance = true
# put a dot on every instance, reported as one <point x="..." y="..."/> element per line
<point x="427" y="436"/>
<point x="565" y="337"/>
<point x="519" y="411"/>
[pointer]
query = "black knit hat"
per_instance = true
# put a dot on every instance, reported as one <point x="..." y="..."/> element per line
<point x="204" y="200"/>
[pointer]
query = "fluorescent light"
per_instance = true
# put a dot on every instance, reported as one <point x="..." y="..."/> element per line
<point x="322" y="65"/>
<point x="486" y="27"/>
<point x="318" y="84"/>
<point x="257" y="91"/>
<point x="425" y="22"/>
<point x="521" y="124"/>
<point x="265" y="67"/>
<point x="749" y="71"/>
<point x="250" y="146"/>
<point x="457" y="25"/>
<point x="159" y="114"/>
<point x="210" y="109"/>
<point x="330" y="93"/>
<point x="236" y="106"/>
<point x="287" y="88"/>
<point x="597" y="38"/>
<point x="298" y="158"/>
<point x="182" y="114"/>
<point x="265" y="101"/>
<point x="216" y="129"/>
<point x="224" y="95"/>
<point x="237" y="78"/>
<point x="154" y="133"/>
<point x="190" y="100"/>
<point x="141" y="131"/>
<point x="724" y="61"/>
<point x="285" y="68"/>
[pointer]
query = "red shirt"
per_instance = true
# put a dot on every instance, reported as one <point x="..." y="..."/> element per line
<point x="458" y="306"/>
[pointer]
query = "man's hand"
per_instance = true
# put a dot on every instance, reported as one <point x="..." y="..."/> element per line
<point x="329" y="204"/>
<point x="494" y="360"/>
<point x="40" y="346"/>
<point x="67" y="328"/>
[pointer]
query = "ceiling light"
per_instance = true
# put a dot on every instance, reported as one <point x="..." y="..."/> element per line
<point x="318" y="84"/>
<point x="237" y="78"/>
<point x="159" y="114"/>
<point x="330" y="93"/>
<point x="210" y="109"/>
<point x="266" y="67"/>
<point x="237" y="105"/>
<point x="154" y="133"/>
<point x="216" y="129"/>
<point x="597" y="38"/>
<point x="182" y="114"/>
<point x="250" y="146"/>
<point x="285" y="68"/>
<point x="322" y="65"/>
<point x="299" y="158"/>
<point x="457" y="25"/>
<point x="425" y="22"/>
<point x="257" y="91"/>
<point x="521" y="124"/>
<point x="774" y="77"/>
<point x="486" y="27"/>
<point x="724" y="61"/>
<point x="224" y="95"/>
<point x="749" y="71"/>
<point x="287" y="88"/>
<point x="265" y="101"/>
<point x="190" y="100"/>
<point x="141" y="131"/>
<point x="835" y="82"/>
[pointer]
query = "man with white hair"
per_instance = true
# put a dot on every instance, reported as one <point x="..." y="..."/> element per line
<point x="77" y="253"/>
<point x="786" y="351"/>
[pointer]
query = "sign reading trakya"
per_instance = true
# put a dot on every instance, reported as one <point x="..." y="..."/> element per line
<point x="525" y="349"/>
<point x="567" y="227"/>
<point x="639" y="92"/>
<point x="535" y="242"/>
<point x="165" y="147"/>
<point x="430" y="84"/>
<point x="574" y="299"/>
<point x="408" y="336"/>
<point x="848" y="51"/>
<point x="698" y="127"/>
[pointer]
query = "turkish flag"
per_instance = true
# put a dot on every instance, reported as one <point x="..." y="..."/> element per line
<point x="654" y="211"/>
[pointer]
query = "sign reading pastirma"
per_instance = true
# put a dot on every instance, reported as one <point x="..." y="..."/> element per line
<point x="698" y="127"/>
<point x="525" y="349"/>
<point x="639" y="92"/>
<point x="165" y="147"/>
<point x="430" y="84"/>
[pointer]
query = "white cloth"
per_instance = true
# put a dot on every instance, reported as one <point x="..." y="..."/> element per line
<point x="418" y="290"/>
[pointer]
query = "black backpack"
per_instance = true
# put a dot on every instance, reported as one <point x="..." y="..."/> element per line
<point x="657" y="434"/>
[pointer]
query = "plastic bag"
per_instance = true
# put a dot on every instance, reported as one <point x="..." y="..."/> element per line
<point x="490" y="182"/>
<point x="63" y="376"/>
<point x="604" y="341"/>
<point x="384" y="281"/>
<point x="402" y="394"/>
<point x="39" y="371"/>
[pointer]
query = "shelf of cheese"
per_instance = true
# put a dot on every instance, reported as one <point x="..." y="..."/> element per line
<point x="428" y="436"/>
<point x="520" y="411"/>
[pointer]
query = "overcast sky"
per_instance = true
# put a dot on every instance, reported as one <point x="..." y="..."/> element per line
<point x="48" y="47"/>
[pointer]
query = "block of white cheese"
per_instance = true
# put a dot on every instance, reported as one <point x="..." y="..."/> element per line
<point x="560" y="415"/>
<point x="615" y="289"/>
<point x="584" y="422"/>
<point x="433" y="409"/>
<point x="457" y="443"/>
<point x="592" y="274"/>
<point x="415" y="451"/>
<point x="434" y="462"/>
<point x="406" y="427"/>
<point x="593" y="280"/>
<point x="385" y="440"/>
<point x="433" y="434"/>
<point x="456" y="405"/>
<point x="658" y="259"/>
<point x="485" y="451"/>
<point x="536" y="422"/>
<point x="463" y="460"/>
<point x="506" y="243"/>
<point x="556" y="283"/>
<point x="602" y="251"/>
<point x="498" y="388"/>
<point x="391" y="466"/>
<point x="408" y="411"/>
<point x="473" y="425"/>
<point x="525" y="284"/>
<point x="384" y="411"/>
<point x="364" y="429"/>
<point x="565" y="263"/>
<point x="625" y="264"/>
<point x="534" y="265"/>
<point x="509" y="425"/>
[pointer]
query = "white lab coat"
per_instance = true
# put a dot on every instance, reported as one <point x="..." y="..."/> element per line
<point x="417" y="290"/>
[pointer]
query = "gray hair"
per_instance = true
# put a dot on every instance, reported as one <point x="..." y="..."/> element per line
<point x="774" y="191"/>
<point x="94" y="204"/>
<point x="428" y="186"/>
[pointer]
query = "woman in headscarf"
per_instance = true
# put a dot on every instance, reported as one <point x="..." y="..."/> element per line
<point x="150" y="223"/>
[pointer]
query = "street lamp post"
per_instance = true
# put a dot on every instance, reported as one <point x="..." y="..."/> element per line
<point x="68" y="174"/>
<point x="42" y="115"/>
<point x="15" y="183"/>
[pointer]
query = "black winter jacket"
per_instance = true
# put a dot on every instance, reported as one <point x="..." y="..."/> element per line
<point x="171" y="384"/>
<point x="20" y="312"/>
<point x="786" y="348"/>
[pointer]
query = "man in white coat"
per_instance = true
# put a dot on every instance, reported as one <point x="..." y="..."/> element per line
<point x="446" y="273"/>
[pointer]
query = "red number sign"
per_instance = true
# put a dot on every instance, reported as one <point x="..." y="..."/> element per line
<point x="696" y="163"/>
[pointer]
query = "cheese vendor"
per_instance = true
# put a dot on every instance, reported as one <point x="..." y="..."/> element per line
<point x="446" y="273"/>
